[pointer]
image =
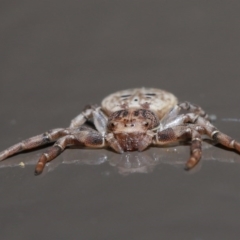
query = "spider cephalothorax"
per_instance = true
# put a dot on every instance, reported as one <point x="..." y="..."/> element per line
<point x="130" y="120"/>
<point x="130" y="128"/>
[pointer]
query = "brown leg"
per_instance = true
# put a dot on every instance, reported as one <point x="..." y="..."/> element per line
<point x="33" y="142"/>
<point x="113" y="143"/>
<point x="91" y="113"/>
<point x="193" y="127"/>
<point x="83" y="136"/>
<point x="218" y="136"/>
<point x="54" y="151"/>
<point x="196" y="150"/>
<point x="183" y="133"/>
<point x="81" y="118"/>
<point x="146" y="141"/>
<point x="193" y="108"/>
<point x="226" y="141"/>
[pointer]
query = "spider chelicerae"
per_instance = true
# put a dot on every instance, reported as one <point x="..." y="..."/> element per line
<point x="130" y="120"/>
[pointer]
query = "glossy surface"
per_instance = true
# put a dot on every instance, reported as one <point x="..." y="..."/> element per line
<point x="58" y="56"/>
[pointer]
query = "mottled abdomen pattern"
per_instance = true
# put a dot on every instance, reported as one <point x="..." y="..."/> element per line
<point x="156" y="100"/>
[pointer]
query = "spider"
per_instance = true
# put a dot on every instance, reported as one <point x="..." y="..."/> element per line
<point x="130" y="120"/>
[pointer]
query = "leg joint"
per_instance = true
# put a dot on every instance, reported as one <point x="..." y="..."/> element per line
<point x="214" y="134"/>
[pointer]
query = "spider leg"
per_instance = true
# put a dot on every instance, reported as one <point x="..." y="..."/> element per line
<point x="33" y="142"/>
<point x="193" y="126"/>
<point x="83" y="136"/>
<point x="203" y="125"/>
<point x="54" y="151"/>
<point x="183" y="133"/>
<point x="174" y="118"/>
<point x="100" y="120"/>
<point x="113" y="143"/>
<point x="146" y="141"/>
<point x="91" y="113"/>
<point x="195" y="150"/>
<point x="216" y="135"/>
<point x="81" y="118"/>
<point x="192" y="108"/>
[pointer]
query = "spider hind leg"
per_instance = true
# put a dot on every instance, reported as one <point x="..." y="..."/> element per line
<point x="217" y="136"/>
<point x="54" y="151"/>
<point x="195" y="151"/>
<point x="83" y="136"/>
<point x="34" y="142"/>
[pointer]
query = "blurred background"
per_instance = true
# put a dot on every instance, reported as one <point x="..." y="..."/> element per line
<point x="58" y="56"/>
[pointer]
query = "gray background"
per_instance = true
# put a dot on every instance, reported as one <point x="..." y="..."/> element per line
<point x="57" y="56"/>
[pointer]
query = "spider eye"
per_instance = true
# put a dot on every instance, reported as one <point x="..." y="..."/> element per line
<point x="113" y="124"/>
<point x="145" y="124"/>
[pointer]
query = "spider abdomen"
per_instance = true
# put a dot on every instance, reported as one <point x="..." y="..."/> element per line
<point x="156" y="100"/>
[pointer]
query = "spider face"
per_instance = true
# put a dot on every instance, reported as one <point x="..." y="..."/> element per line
<point x="130" y="127"/>
<point x="130" y="120"/>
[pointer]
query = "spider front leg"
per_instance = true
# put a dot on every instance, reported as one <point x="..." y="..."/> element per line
<point x="91" y="113"/>
<point x="34" y="142"/>
<point x="195" y="150"/>
<point x="183" y="133"/>
<point x="203" y="125"/>
<point x="113" y="143"/>
<point x="81" y="118"/>
<point x="216" y="135"/>
<point x="83" y="136"/>
<point x="192" y="108"/>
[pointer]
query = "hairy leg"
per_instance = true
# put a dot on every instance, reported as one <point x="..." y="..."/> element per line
<point x="91" y="113"/>
<point x="34" y="142"/>
<point x="192" y="108"/>
<point x="83" y="136"/>
<point x="113" y="143"/>
<point x="195" y="150"/>
<point x="54" y="151"/>
<point x="81" y="118"/>
<point x="216" y="135"/>
<point x="202" y="125"/>
<point x="183" y="133"/>
<point x="174" y="117"/>
<point x="197" y="126"/>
